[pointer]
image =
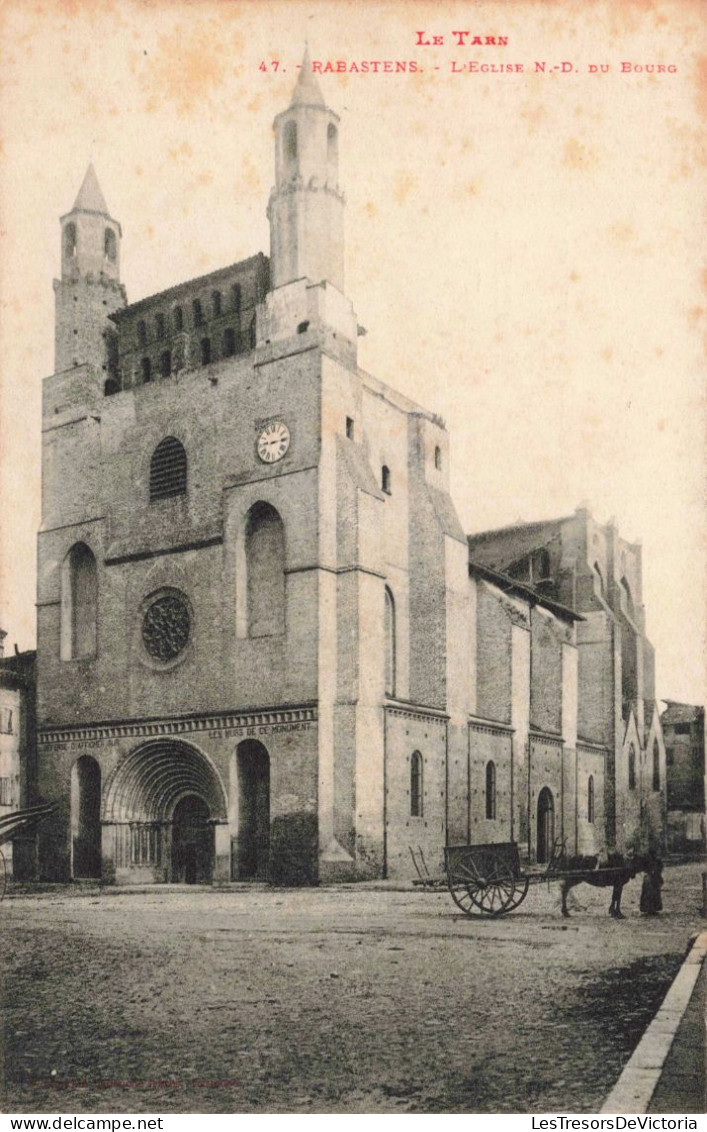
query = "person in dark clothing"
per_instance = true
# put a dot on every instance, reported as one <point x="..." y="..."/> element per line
<point x="651" y="903"/>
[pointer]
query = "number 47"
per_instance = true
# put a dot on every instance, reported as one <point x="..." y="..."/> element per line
<point x="274" y="65"/>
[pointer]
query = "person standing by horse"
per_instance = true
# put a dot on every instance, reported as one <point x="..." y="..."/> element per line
<point x="651" y="902"/>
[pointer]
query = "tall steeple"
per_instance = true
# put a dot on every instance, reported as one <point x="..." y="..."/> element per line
<point x="89" y="289"/>
<point x="306" y="207"/>
<point x="90" y="197"/>
<point x="307" y="91"/>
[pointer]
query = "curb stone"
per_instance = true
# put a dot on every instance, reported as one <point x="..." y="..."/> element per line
<point x="634" y="1089"/>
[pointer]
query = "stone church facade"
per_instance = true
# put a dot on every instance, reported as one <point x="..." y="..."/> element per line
<point x="266" y="648"/>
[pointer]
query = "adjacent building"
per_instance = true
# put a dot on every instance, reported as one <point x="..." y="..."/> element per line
<point x="17" y="755"/>
<point x="684" y="730"/>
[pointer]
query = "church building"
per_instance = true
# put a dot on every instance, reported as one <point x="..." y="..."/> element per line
<point x="266" y="647"/>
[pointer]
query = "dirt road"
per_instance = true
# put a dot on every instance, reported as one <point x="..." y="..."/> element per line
<point x="328" y="1000"/>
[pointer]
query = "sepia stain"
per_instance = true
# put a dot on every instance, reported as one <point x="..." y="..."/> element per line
<point x="607" y="353"/>
<point x="701" y="85"/>
<point x="250" y="175"/>
<point x="404" y="182"/>
<point x="183" y="151"/>
<point x="694" y="315"/>
<point x="661" y="425"/>
<point x="370" y="209"/>
<point x="574" y="277"/>
<point x="534" y="116"/>
<point x="188" y="66"/>
<point x="577" y="156"/>
<point x="623" y="235"/>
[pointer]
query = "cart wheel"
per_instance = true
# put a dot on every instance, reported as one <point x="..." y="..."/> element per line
<point x="483" y="880"/>
<point x="522" y="884"/>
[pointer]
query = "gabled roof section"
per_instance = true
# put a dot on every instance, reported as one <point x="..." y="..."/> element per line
<point x="90" y="197"/>
<point x="527" y="593"/>
<point x="307" y="91"/>
<point x="501" y="547"/>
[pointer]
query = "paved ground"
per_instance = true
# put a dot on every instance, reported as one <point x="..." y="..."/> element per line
<point x="328" y="1000"/>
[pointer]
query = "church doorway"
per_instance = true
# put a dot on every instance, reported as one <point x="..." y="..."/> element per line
<point x="253" y="810"/>
<point x="192" y="842"/>
<point x="546" y="825"/>
<point x="85" y="818"/>
<point x="162" y="805"/>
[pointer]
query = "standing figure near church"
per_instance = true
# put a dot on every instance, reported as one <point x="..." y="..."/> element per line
<point x="651" y="902"/>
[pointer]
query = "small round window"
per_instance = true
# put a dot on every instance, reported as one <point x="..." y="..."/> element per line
<point x="165" y="626"/>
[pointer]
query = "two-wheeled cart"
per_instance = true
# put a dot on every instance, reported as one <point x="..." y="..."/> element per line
<point x="489" y="878"/>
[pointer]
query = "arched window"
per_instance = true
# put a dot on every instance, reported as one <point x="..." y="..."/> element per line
<point x="265" y="571"/>
<point x="165" y="363"/>
<point x="159" y="325"/>
<point x="416" y="785"/>
<point x="216" y="303"/>
<point x="229" y="342"/>
<point x="599" y="579"/>
<point x="142" y="333"/>
<point x="110" y="245"/>
<point x="146" y="368"/>
<point x="332" y="142"/>
<point x="178" y="316"/>
<point x="656" y="765"/>
<point x="385" y="479"/>
<point x="438" y="458"/>
<point x="590" y="799"/>
<point x="205" y="351"/>
<point x="290" y="141"/>
<point x="70" y="240"/>
<point x="197" y="312"/>
<point x="490" y="790"/>
<point x="389" y="628"/>
<point x="632" y="767"/>
<point x="626" y="591"/>
<point x="79" y="604"/>
<point x="168" y="470"/>
<point x="236" y="298"/>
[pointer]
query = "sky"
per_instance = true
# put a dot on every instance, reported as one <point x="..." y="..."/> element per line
<point x="523" y="246"/>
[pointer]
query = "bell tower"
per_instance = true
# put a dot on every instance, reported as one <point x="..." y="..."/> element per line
<point x="306" y="207"/>
<point x="89" y="289"/>
<point x="306" y="214"/>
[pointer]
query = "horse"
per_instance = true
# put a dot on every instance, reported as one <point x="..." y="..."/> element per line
<point x="615" y="872"/>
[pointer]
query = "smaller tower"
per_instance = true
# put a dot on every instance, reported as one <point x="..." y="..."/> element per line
<point x="306" y="207"/>
<point x="89" y="289"/>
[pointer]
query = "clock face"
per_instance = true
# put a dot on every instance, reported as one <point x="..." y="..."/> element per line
<point x="273" y="442"/>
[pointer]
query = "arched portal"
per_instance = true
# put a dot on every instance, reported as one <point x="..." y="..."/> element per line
<point x="85" y="818"/>
<point x="192" y="842"/>
<point x="546" y="825"/>
<point x="253" y="810"/>
<point x="162" y="803"/>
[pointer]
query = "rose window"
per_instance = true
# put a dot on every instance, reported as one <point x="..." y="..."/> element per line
<point x="165" y="627"/>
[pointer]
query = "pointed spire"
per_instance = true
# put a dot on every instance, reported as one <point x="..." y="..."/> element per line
<point x="90" y="198"/>
<point x="307" y="92"/>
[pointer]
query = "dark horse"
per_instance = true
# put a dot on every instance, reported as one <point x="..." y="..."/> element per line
<point x="614" y="873"/>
